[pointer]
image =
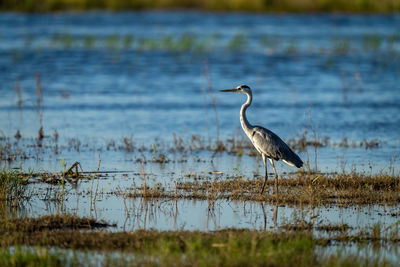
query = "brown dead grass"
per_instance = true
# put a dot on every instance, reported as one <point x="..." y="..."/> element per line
<point x="49" y="222"/>
<point x="302" y="188"/>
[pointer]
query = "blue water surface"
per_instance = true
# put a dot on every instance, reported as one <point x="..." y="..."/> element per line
<point x="151" y="74"/>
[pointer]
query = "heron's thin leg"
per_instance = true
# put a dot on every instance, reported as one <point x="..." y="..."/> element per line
<point x="266" y="173"/>
<point x="276" y="174"/>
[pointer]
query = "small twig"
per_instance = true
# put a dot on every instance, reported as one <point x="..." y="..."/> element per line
<point x="39" y="98"/>
<point x="315" y="140"/>
<point x="390" y="226"/>
<point x="144" y="180"/>
<point x="98" y="178"/>
<point x="63" y="185"/>
<point x="75" y="166"/>
<point x="91" y="187"/>
<point x="211" y="97"/>
<point x="101" y="192"/>
<point x="18" y="90"/>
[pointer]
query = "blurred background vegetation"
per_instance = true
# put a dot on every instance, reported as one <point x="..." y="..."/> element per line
<point x="363" y="6"/>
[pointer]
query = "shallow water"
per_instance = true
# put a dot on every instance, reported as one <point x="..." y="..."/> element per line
<point x="107" y="76"/>
<point x="113" y="205"/>
<point x="146" y="76"/>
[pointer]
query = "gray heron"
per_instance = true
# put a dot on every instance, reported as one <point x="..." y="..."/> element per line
<point x="267" y="143"/>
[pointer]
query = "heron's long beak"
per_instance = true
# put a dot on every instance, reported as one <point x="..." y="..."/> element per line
<point x="229" y="90"/>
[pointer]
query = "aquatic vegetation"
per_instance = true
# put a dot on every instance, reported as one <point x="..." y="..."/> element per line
<point x="112" y="41"/>
<point x="186" y="248"/>
<point x="341" y="46"/>
<point x="303" y="188"/>
<point x="186" y="42"/>
<point x="13" y="187"/>
<point x="18" y="256"/>
<point x="67" y="41"/>
<point x="89" y="42"/>
<point x="236" y="145"/>
<point x="271" y="42"/>
<point x="198" y="45"/>
<point x="305" y="141"/>
<point x="372" y="42"/>
<point x="238" y="42"/>
<point x="225" y="5"/>
<point x="225" y="247"/>
<point x="48" y="223"/>
<point x="291" y="47"/>
<point x="11" y="151"/>
<point x="120" y="95"/>
<point x="128" y="41"/>
<point x="129" y="145"/>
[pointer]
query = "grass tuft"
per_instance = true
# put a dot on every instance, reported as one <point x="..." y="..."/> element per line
<point x="13" y="187"/>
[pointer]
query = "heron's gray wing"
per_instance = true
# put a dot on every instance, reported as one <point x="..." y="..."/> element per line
<point x="273" y="146"/>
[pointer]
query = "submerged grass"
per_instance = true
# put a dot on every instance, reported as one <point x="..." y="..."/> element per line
<point x="237" y="145"/>
<point x="381" y="48"/>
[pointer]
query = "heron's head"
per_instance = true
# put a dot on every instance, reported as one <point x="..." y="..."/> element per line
<point x="240" y="89"/>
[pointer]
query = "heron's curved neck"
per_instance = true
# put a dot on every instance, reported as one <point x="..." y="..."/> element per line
<point x="243" y="120"/>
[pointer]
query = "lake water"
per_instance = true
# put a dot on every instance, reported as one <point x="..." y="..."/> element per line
<point x="105" y="76"/>
<point x="148" y="75"/>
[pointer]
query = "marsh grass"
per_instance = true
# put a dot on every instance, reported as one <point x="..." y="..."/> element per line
<point x="382" y="48"/>
<point x="228" y="247"/>
<point x="11" y="151"/>
<point x="301" y="188"/>
<point x="57" y="178"/>
<point x="49" y="223"/>
<point x="224" y="5"/>
<point x="72" y="175"/>
<point x="18" y="256"/>
<point x="13" y="187"/>
<point x="129" y="145"/>
<point x="307" y="187"/>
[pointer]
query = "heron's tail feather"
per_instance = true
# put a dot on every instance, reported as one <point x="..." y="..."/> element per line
<point x="294" y="161"/>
